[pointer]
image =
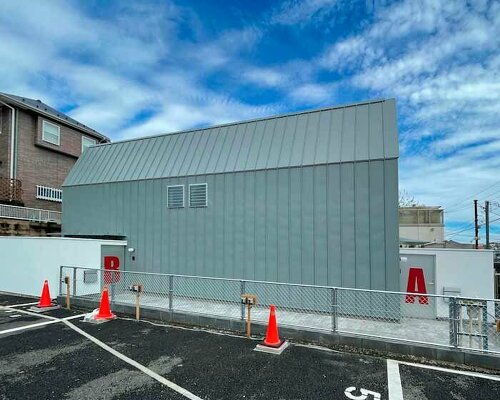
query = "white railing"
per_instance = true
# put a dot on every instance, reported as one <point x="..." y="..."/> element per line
<point x="29" y="214"/>
<point x="48" y="193"/>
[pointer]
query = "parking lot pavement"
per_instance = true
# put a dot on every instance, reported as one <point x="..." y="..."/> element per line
<point x="426" y="384"/>
<point x="57" y="362"/>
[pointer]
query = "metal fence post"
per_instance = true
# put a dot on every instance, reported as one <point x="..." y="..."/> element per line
<point x="242" y="292"/>
<point x="484" y="327"/>
<point x="334" y="309"/>
<point x="452" y="307"/>
<point x="170" y="292"/>
<point x="74" y="281"/>
<point x="113" y="283"/>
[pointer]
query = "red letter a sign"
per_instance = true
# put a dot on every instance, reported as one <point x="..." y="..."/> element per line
<point x="416" y="284"/>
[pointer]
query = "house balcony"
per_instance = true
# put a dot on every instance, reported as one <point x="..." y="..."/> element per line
<point x="11" y="191"/>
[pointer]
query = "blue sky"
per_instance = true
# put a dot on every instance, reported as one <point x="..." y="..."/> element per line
<point x="139" y="68"/>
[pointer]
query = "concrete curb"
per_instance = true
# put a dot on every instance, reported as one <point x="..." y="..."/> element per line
<point x="347" y="342"/>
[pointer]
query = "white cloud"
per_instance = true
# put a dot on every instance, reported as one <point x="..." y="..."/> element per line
<point x="313" y="93"/>
<point x="112" y="68"/>
<point x="440" y="60"/>
<point x="267" y="77"/>
<point x="301" y="11"/>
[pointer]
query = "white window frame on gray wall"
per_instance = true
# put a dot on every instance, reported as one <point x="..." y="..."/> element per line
<point x="87" y="142"/>
<point x="56" y="137"/>
<point x="204" y="204"/>
<point x="48" y="193"/>
<point x="169" y="204"/>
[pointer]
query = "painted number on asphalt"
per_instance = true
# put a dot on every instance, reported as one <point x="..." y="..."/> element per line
<point x="365" y="394"/>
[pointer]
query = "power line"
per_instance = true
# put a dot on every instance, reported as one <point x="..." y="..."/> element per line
<point x="471" y="197"/>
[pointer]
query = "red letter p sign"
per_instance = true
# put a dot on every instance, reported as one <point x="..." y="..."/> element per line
<point x="111" y="263"/>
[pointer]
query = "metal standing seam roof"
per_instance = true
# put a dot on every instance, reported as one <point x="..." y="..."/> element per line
<point x="355" y="132"/>
<point x="42" y="108"/>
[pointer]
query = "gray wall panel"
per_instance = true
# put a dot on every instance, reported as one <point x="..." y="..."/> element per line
<point x="333" y="224"/>
<point x="307" y="216"/>
<point x="228" y="227"/>
<point x="333" y="221"/>
<point x="295" y="225"/>
<point x="377" y="224"/>
<point x="320" y="226"/>
<point x="391" y="225"/>
<point x="362" y="224"/>
<point x="239" y="225"/>
<point x="348" y="135"/>
<point x="271" y="234"/>
<point x="283" y="225"/>
<point x="249" y="228"/>
<point x="347" y="224"/>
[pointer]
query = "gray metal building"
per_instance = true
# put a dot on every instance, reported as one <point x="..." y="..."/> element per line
<point x="309" y="197"/>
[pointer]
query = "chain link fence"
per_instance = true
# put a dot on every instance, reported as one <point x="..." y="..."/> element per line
<point x="457" y="322"/>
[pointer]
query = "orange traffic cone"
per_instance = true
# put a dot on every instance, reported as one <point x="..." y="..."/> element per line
<point x="45" y="300"/>
<point x="104" y="308"/>
<point x="272" y="337"/>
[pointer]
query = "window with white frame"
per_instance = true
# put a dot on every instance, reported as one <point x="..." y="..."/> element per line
<point x="51" y="133"/>
<point x="48" y="193"/>
<point x="198" y="195"/>
<point x="175" y="196"/>
<point x="87" y="142"/>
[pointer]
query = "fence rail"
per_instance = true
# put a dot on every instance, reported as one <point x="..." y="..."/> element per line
<point x="429" y="319"/>
<point x="29" y="214"/>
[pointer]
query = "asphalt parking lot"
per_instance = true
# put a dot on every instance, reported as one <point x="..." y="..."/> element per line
<point x="60" y="357"/>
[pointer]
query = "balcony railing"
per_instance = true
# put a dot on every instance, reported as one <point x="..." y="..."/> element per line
<point x="11" y="191"/>
<point x="29" y="214"/>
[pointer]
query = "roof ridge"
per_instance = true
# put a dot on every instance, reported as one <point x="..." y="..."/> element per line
<point x="218" y="126"/>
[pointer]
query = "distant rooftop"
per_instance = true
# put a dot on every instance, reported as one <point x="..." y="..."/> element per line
<point x="42" y="108"/>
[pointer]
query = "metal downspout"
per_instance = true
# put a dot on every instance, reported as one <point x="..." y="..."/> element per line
<point x="12" y="139"/>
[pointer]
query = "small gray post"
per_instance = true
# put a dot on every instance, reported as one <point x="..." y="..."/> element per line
<point x="171" y="292"/>
<point x="242" y="292"/>
<point x="60" y="279"/>
<point x="74" y="281"/>
<point x="484" y="323"/>
<point x="452" y="307"/>
<point x="334" y="309"/>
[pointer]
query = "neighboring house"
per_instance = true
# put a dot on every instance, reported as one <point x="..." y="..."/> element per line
<point x="421" y="225"/>
<point x="38" y="147"/>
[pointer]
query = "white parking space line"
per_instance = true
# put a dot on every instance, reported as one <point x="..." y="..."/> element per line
<point x="40" y="315"/>
<point x="53" y="320"/>
<point x="22" y="305"/>
<point x="394" y="386"/>
<point x="134" y="363"/>
<point x="453" y="371"/>
<point x="23" y="328"/>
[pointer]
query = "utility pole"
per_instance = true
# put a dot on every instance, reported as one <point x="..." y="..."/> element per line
<point x="487" y="217"/>
<point x="476" y="226"/>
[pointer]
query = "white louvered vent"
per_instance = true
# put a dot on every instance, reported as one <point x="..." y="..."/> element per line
<point x="175" y="196"/>
<point x="198" y="195"/>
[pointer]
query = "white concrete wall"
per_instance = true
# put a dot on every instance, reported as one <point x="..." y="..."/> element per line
<point x="469" y="270"/>
<point x="425" y="233"/>
<point x="25" y="262"/>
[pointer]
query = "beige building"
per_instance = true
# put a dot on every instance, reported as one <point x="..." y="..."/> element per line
<point x="421" y="225"/>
